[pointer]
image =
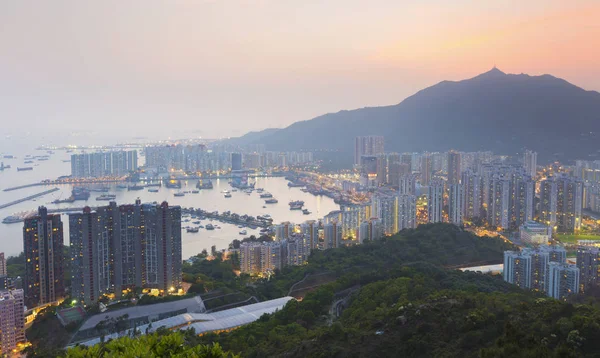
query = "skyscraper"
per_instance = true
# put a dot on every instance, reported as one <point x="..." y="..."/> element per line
<point x="455" y="203"/>
<point x="517" y="268"/>
<point x="2" y="265"/>
<point x="563" y="280"/>
<point x="472" y="195"/>
<point x="407" y="184"/>
<point x="454" y="167"/>
<point x="426" y="168"/>
<point x="588" y="262"/>
<point x="12" y="320"/>
<point x="310" y="229"/>
<point x="367" y="145"/>
<point x="332" y="235"/>
<point x="407" y="212"/>
<point x="116" y="248"/>
<point x="384" y="205"/>
<point x="530" y="163"/>
<point x="44" y="259"/>
<point x="369" y="230"/>
<point x="561" y="203"/>
<point x="435" y="201"/>
<point x="236" y="161"/>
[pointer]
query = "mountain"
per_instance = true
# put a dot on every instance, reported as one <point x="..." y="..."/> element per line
<point x="494" y="111"/>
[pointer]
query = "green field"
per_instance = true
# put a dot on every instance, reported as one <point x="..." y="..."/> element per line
<point x="572" y="238"/>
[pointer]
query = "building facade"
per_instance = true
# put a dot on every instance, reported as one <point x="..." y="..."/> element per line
<point x="116" y="248"/>
<point x="435" y="201"/>
<point x="44" y="258"/>
<point x="12" y="320"/>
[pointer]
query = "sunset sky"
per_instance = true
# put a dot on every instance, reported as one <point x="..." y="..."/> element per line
<point x="222" y="67"/>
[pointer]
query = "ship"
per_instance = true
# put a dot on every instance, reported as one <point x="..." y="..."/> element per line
<point x="173" y="184"/>
<point x="106" y="197"/>
<point x="266" y="195"/>
<point x="271" y="201"/>
<point x="296" y="205"/>
<point x="210" y="227"/>
<point x="151" y="190"/>
<point x="80" y="194"/>
<point x="193" y="229"/>
<point x="24" y="169"/>
<point x="228" y="195"/>
<point x="179" y="194"/>
<point x="243" y="232"/>
<point x="195" y="191"/>
<point x="122" y="186"/>
<point x="305" y="212"/>
<point x="204" y="184"/>
<point x="135" y="187"/>
<point x="28" y="162"/>
<point x="70" y="199"/>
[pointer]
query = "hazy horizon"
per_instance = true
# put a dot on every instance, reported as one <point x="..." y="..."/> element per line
<point x="222" y="68"/>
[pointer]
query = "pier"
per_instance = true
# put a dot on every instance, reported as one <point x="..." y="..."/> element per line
<point x="28" y="198"/>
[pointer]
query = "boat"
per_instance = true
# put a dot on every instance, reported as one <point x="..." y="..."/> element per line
<point x="296" y="205"/>
<point x="28" y="162"/>
<point x="304" y="190"/>
<point x="66" y="160"/>
<point x="80" y="194"/>
<point x="241" y="226"/>
<point x="259" y="190"/>
<point x="99" y="189"/>
<point x="225" y="191"/>
<point x="305" y="212"/>
<point x="173" y="184"/>
<point x="179" y="194"/>
<point x="271" y="201"/>
<point x="196" y="222"/>
<point x="122" y="186"/>
<point x="204" y="184"/>
<point x="149" y="185"/>
<point x="24" y="169"/>
<point x="106" y="197"/>
<point x="228" y="195"/>
<point x="152" y="190"/>
<point x="193" y="229"/>
<point x="135" y="187"/>
<point x="195" y="191"/>
<point x="264" y="207"/>
<point x="243" y="232"/>
<point x="210" y="227"/>
<point x="201" y="227"/>
<point x="295" y="185"/>
<point x="266" y="195"/>
<point x="233" y="190"/>
<point x="70" y="199"/>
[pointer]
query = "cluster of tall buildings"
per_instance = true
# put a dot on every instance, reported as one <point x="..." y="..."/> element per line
<point x="542" y="269"/>
<point x="113" y="249"/>
<point x="545" y="269"/>
<point x="104" y="164"/>
<point x="294" y="243"/>
<point x="118" y="248"/>
<point x="198" y="158"/>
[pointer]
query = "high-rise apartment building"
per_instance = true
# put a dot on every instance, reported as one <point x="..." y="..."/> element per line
<point x="407" y="212"/>
<point x="370" y="230"/>
<point x="367" y="145"/>
<point x="517" y="268"/>
<point x="435" y="201"/>
<point x="454" y="167"/>
<point x="12" y="320"/>
<point x="310" y="230"/>
<point x="408" y="184"/>
<point x="530" y="163"/>
<point x="332" y="235"/>
<point x="384" y="205"/>
<point x="455" y="203"/>
<point x="561" y="203"/>
<point x="563" y="280"/>
<point x="3" y="271"/>
<point x="351" y="217"/>
<point x="472" y="195"/>
<point x="95" y="165"/>
<point x="588" y="262"/>
<point x="44" y="258"/>
<point x="116" y="248"/>
<point x="426" y="168"/>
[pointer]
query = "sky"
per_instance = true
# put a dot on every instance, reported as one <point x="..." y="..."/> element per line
<point x="220" y="68"/>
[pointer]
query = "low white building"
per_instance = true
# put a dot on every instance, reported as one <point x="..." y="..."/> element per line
<point x="535" y="233"/>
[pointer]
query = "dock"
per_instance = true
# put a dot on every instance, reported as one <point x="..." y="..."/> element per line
<point x="28" y="198"/>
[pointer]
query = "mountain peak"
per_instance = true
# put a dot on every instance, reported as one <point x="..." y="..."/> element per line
<point x="494" y="72"/>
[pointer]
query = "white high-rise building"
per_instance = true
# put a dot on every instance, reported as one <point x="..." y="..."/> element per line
<point x="407" y="212"/>
<point x="563" y="280"/>
<point x="385" y="207"/>
<point x="530" y="163"/>
<point x="455" y="203"/>
<point x="370" y="230"/>
<point x="435" y="201"/>
<point x="517" y="268"/>
<point x="332" y="235"/>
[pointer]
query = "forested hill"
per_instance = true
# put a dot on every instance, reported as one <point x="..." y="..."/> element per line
<point x="400" y="301"/>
